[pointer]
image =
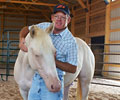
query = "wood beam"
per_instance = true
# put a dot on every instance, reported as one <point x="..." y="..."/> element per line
<point x="18" y="8"/>
<point x="87" y="20"/>
<point x="107" y="37"/>
<point x="20" y="14"/>
<point x="61" y="1"/>
<point x="27" y="3"/>
<point x="83" y="5"/>
<point x="2" y="26"/>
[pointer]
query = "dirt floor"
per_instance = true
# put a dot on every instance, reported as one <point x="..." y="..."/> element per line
<point x="9" y="91"/>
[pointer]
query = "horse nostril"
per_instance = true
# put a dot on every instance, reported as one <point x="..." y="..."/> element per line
<point x="52" y="87"/>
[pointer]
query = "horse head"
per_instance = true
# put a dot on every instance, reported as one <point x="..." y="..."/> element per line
<point x="41" y="53"/>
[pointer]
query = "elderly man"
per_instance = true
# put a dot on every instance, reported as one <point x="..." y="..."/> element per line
<point x="66" y="53"/>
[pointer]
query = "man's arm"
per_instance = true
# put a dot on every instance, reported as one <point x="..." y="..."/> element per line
<point x="66" y="66"/>
<point x="23" y="33"/>
<point x="71" y="59"/>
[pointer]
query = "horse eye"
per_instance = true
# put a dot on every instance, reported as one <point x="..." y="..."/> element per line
<point x="36" y="55"/>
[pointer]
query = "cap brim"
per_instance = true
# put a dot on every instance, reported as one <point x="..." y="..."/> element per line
<point x="61" y="11"/>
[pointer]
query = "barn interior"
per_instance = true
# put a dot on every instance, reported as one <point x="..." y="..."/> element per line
<point x="94" y="21"/>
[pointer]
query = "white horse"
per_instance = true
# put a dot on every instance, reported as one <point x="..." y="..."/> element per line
<point x="85" y="71"/>
<point x="40" y="57"/>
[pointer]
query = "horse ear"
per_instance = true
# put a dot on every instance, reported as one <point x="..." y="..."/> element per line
<point x="50" y="28"/>
<point x="32" y="31"/>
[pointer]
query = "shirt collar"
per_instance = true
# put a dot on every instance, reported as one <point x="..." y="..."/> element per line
<point x="62" y="34"/>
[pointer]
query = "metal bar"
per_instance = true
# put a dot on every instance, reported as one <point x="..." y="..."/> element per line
<point x="9" y="55"/>
<point x="9" y="48"/>
<point x="108" y="63"/>
<point x="107" y="78"/>
<point x="106" y="53"/>
<point x="102" y="44"/>
<point x="9" y="68"/>
<point x="10" y="30"/>
<point x="105" y="84"/>
<point x="108" y="71"/>
<point x="9" y="40"/>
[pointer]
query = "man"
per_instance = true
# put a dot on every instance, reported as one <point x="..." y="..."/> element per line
<point x="66" y="53"/>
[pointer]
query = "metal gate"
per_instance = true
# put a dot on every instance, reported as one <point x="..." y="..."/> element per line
<point x="8" y="53"/>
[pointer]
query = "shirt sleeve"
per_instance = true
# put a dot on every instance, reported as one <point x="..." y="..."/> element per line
<point x="43" y="25"/>
<point x="72" y="57"/>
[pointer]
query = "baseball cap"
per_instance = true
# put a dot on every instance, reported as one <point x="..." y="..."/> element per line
<point x="63" y="8"/>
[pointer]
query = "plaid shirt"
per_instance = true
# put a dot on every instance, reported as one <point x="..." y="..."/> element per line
<point x="65" y="44"/>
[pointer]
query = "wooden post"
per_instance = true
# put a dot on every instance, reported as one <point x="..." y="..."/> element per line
<point x="87" y="35"/>
<point x="107" y="36"/>
<point x="1" y="32"/>
<point x="2" y="26"/>
<point x="73" y="22"/>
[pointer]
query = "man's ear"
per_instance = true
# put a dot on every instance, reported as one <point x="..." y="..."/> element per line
<point x="69" y="19"/>
<point x="50" y="28"/>
<point x="52" y="17"/>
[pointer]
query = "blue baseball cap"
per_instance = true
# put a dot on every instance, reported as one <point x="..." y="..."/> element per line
<point x="63" y="8"/>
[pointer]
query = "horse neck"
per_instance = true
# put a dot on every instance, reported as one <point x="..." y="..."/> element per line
<point x="26" y="70"/>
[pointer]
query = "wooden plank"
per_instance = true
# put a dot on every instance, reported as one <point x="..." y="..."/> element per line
<point x="87" y="20"/>
<point x="61" y="1"/>
<point x="115" y="6"/>
<point x="115" y="3"/>
<point x="82" y="4"/>
<point x="113" y="65"/>
<point x="27" y="3"/>
<point x="2" y="26"/>
<point x="115" y="18"/>
<point x="115" y="30"/>
<point x="115" y="42"/>
<point x="95" y="3"/>
<point x="13" y="26"/>
<point x="23" y="9"/>
<point x="14" y="20"/>
<point x="98" y="12"/>
<point x="95" y="34"/>
<point x="98" y="9"/>
<point x="20" y="14"/>
<point x="78" y="9"/>
<point x="97" y="22"/>
<point x="25" y="20"/>
<point x="80" y="17"/>
<point x="1" y="32"/>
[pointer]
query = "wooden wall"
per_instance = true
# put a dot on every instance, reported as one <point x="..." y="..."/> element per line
<point x="112" y="36"/>
<point x="92" y="23"/>
<point x="84" y="24"/>
<point x="17" y="22"/>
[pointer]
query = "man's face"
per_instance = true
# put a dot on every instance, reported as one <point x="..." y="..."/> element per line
<point x="61" y="20"/>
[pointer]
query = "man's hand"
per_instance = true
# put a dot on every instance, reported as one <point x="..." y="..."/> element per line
<point x="22" y="45"/>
